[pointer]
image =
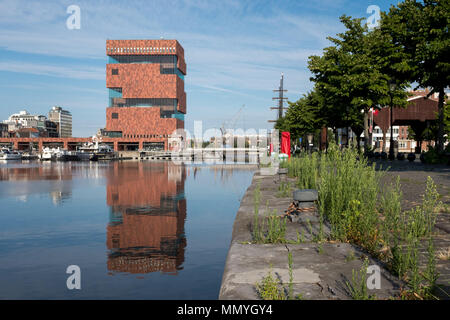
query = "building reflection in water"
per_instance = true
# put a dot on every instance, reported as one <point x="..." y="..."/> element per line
<point x="54" y="179"/>
<point x="147" y="215"/>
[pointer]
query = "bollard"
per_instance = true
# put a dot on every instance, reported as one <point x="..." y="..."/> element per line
<point x="282" y="174"/>
<point x="411" y="157"/>
<point x="304" y="200"/>
<point x="305" y="195"/>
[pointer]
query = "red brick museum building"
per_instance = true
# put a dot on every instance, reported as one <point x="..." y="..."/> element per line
<point x="147" y="101"/>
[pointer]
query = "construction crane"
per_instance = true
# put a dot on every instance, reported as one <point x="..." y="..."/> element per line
<point x="230" y="124"/>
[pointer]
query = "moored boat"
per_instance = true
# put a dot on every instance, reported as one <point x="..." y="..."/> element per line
<point x="64" y="155"/>
<point x="47" y="154"/>
<point x="6" y="154"/>
<point x="58" y="154"/>
<point x="94" y="151"/>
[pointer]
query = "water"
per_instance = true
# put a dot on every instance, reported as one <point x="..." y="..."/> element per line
<point x="137" y="230"/>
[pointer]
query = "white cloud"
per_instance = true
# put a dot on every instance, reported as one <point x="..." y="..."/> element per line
<point x="78" y="72"/>
<point x="235" y="48"/>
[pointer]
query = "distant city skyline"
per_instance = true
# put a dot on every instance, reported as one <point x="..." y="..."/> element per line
<point x="235" y="51"/>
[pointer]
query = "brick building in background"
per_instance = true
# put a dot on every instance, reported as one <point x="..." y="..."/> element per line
<point x="147" y="101"/>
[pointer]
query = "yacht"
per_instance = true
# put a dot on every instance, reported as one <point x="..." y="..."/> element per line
<point x="6" y="154"/>
<point x="93" y="151"/>
<point x="64" y="155"/>
<point x="58" y="154"/>
<point x="47" y="154"/>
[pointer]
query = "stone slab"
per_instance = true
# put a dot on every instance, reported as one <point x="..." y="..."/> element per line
<point x="317" y="274"/>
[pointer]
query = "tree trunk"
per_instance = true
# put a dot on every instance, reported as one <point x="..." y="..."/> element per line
<point x="358" y="131"/>
<point x="323" y="138"/>
<point x="366" y="129"/>
<point x="383" y="149"/>
<point x="418" y="147"/>
<point x="440" y="142"/>
<point x="418" y="128"/>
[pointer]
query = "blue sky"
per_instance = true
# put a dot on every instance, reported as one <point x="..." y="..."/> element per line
<point x="235" y="52"/>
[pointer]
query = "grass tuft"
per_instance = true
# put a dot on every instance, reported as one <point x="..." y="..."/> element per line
<point x="358" y="286"/>
<point x="361" y="212"/>
<point x="270" y="288"/>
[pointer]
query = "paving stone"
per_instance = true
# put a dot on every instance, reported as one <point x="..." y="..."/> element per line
<point x="317" y="274"/>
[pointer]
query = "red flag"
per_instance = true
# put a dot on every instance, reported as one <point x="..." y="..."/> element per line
<point x="286" y="143"/>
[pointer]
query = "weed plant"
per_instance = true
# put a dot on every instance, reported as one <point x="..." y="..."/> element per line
<point x="284" y="190"/>
<point x="291" y="276"/>
<point x="358" y="286"/>
<point x="361" y="212"/>
<point x="270" y="288"/>
<point x="271" y="229"/>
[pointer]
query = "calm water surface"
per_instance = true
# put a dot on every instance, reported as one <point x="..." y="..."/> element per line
<point x="137" y="230"/>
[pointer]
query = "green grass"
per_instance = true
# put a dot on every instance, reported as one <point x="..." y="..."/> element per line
<point x="284" y="190"/>
<point x="305" y="169"/>
<point x="271" y="287"/>
<point x="358" y="286"/>
<point x="320" y="248"/>
<point x="361" y="212"/>
<point x="270" y="229"/>
<point x="291" y="277"/>
<point x="350" y="257"/>
<point x="300" y="237"/>
<point x="403" y="233"/>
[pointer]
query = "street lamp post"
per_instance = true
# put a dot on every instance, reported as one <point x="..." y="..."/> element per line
<point x="392" y="86"/>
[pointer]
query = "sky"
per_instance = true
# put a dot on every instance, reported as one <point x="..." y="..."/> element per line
<point x="235" y="52"/>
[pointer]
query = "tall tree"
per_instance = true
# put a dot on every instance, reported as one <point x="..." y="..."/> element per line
<point x="302" y="117"/>
<point x="421" y="29"/>
<point x="328" y="72"/>
<point x="351" y="77"/>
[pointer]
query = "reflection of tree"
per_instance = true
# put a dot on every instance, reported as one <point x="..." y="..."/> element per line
<point x="147" y="214"/>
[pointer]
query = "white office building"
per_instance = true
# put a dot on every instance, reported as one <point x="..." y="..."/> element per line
<point x="64" y="120"/>
<point x="24" y="119"/>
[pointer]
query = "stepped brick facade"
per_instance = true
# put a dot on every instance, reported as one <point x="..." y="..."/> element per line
<point x="146" y="104"/>
<point x="145" y="79"/>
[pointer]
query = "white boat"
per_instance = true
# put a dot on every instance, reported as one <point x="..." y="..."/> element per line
<point x="6" y="154"/>
<point x="58" y="154"/>
<point x="65" y="155"/>
<point x="92" y="151"/>
<point x="48" y="154"/>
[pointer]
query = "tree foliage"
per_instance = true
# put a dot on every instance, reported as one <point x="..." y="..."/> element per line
<point x="302" y="117"/>
<point x="421" y="30"/>
<point x="354" y="73"/>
